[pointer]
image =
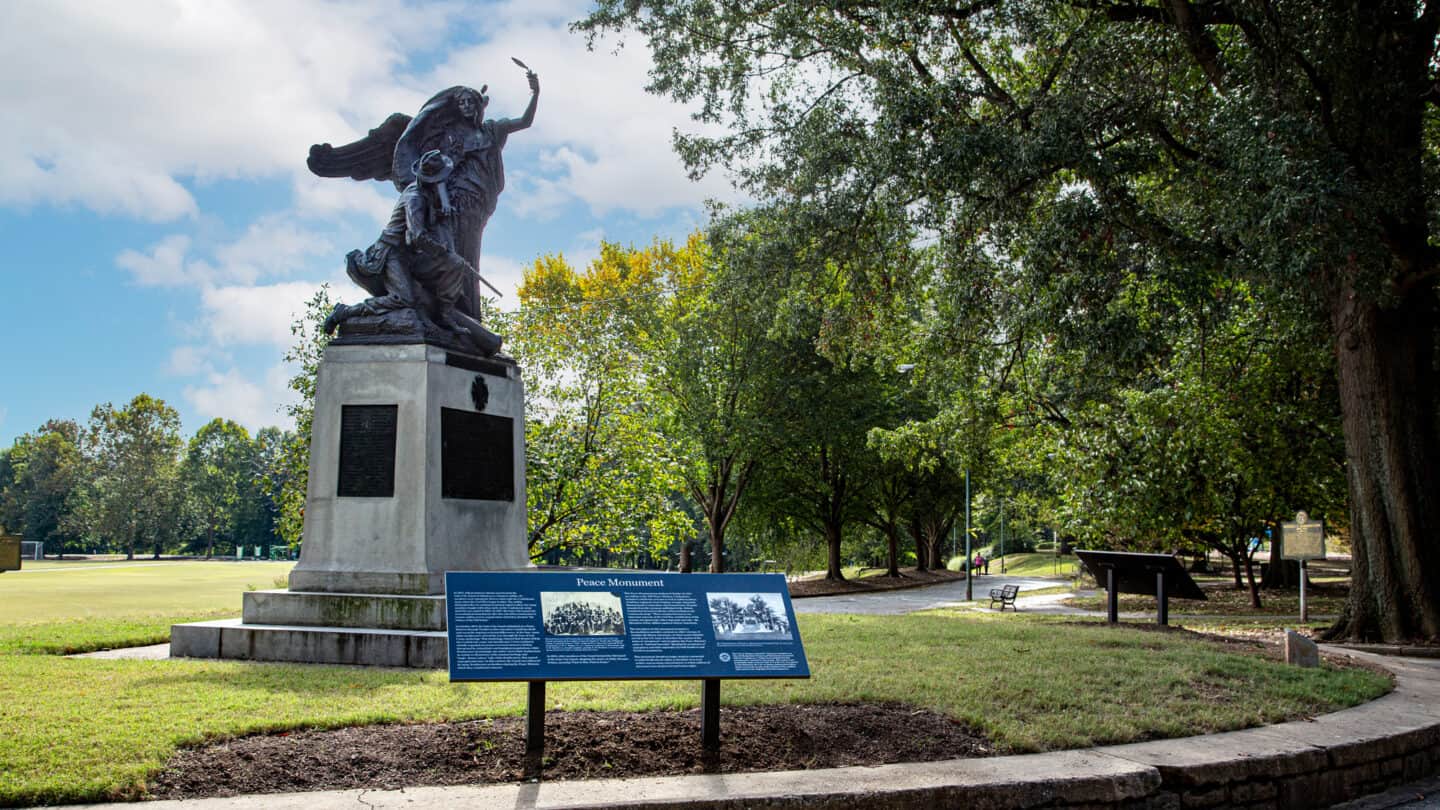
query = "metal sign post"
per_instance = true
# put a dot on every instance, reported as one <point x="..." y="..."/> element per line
<point x="1304" y="610"/>
<point x="1303" y="540"/>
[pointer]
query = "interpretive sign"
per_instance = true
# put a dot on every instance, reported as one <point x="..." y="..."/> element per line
<point x="1302" y="540"/>
<point x="1158" y="575"/>
<point x="477" y="456"/>
<point x="367" y="451"/>
<point x="9" y="552"/>
<point x="605" y="625"/>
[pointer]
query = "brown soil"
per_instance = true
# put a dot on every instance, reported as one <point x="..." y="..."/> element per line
<point x="579" y="745"/>
<point x="909" y="578"/>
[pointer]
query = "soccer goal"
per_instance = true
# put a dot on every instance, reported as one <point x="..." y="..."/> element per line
<point x="32" y="550"/>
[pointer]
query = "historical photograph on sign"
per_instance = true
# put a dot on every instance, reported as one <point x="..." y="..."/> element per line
<point x="749" y="616"/>
<point x="582" y="613"/>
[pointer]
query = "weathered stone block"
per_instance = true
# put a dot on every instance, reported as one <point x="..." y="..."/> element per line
<point x="379" y="611"/>
<point x="1213" y="797"/>
<point x="1300" y="651"/>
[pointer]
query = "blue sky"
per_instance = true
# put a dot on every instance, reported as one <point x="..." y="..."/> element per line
<point x="161" y="230"/>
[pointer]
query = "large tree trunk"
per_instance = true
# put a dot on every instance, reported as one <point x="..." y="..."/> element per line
<point x="892" y="549"/>
<point x="1388" y="393"/>
<point x="1384" y="322"/>
<point x="922" y="559"/>
<point x="685" y="564"/>
<point x="1250" y="576"/>
<point x="832" y="555"/>
<point x="717" y="544"/>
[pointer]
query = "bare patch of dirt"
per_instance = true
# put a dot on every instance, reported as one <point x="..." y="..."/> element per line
<point x="909" y="578"/>
<point x="578" y="745"/>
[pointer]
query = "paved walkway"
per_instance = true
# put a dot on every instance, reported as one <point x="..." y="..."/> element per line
<point x="909" y="600"/>
<point x="952" y="595"/>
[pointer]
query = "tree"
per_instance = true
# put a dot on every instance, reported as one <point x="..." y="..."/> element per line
<point x="1280" y="142"/>
<point x="597" y="478"/>
<point x="291" y="466"/>
<point x="269" y="476"/>
<point x="218" y="470"/>
<point x="37" y="486"/>
<point x="131" y="482"/>
<point x="708" y="360"/>
<point x="1238" y="429"/>
<point x="727" y="614"/>
<point x="817" y="461"/>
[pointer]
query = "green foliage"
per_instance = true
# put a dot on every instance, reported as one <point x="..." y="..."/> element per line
<point x="218" y="469"/>
<point x="291" y="464"/>
<point x="1087" y="176"/>
<point x="38" y="479"/>
<point x="131" y="491"/>
<point x="598" y="480"/>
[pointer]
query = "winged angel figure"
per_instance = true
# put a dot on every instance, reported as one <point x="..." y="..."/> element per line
<point x="422" y="271"/>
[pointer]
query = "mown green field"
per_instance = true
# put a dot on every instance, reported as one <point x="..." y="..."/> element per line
<point x="52" y="591"/>
<point x="76" y="730"/>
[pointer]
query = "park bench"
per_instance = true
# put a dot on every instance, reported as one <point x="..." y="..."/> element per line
<point x="1005" y="596"/>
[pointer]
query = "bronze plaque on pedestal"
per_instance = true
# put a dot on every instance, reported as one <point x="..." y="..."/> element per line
<point x="367" y="451"/>
<point x="477" y="456"/>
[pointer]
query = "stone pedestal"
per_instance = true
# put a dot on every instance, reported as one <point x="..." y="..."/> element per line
<point x="404" y="420"/>
<point x="417" y="467"/>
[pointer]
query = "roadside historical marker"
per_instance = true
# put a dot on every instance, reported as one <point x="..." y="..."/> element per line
<point x="9" y="552"/>
<point x="1302" y="540"/>
<point x="620" y="625"/>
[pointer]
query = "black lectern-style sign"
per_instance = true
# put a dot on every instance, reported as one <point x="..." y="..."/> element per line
<point x="1157" y="575"/>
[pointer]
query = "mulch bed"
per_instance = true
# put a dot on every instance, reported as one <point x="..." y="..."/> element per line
<point x="909" y="578"/>
<point x="578" y="745"/>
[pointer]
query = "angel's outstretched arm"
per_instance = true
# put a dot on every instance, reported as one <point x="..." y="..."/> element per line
<point x="509" y="125"/>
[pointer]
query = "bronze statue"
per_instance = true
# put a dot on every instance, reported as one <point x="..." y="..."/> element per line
<point x="413" y="265"/>
<point x="452" y="123"/>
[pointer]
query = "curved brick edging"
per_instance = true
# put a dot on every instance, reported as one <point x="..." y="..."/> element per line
<point x="1303" y="764"/>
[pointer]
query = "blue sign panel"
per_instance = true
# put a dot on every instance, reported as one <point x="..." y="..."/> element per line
<point x="606" y="625"/>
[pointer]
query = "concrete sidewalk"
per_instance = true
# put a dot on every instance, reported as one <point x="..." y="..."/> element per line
<point x="1334" y="758"/>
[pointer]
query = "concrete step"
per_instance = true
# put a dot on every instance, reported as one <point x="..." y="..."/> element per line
<point x="236" y="640"/>
<point x="359" y="610"/>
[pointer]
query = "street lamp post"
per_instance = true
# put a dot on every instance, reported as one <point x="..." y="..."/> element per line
<point x="1002" y="535"/>
<point x="969" y="581"/>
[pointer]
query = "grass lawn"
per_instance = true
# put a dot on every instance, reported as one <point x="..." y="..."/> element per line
<point x="1227" y="601"/>
<point x="1032" y="565"/>
<point x="75" y="730"/>
<point x="52" y="591"/>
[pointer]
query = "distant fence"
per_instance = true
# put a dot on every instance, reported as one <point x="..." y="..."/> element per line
<point x="32" y="550"/>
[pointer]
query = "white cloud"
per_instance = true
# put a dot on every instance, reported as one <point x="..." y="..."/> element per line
<point x="122" y="100"/>
<point x="273" y="245"/>
<point x="124" y="105"/>
<point x="253" y="402"/>
<point x="187" y="361"/>
<point x="326" y="198"/>
<point x="242" y="315"/>
<point x="163" y="266"/>
<point x="506" y="274"/>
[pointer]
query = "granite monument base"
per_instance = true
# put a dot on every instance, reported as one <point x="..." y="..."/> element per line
<point x="417" y="467"/>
